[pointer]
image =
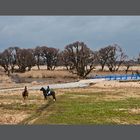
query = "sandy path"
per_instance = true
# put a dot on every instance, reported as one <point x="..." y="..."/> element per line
<point x="117" y="84"/>
<point x="81" y="83"/>
<point x="101" y="83"/>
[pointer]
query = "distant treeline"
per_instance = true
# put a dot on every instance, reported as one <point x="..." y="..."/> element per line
<point x="77" y="57"/>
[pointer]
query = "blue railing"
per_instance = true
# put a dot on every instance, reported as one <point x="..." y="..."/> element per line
<point x="118" y="77"/>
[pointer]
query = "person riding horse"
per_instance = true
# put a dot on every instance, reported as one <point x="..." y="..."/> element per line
<point x="48" y="92"/>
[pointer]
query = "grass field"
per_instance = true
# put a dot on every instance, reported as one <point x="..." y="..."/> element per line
<point x="98" y="107"/>
<point x="108" y="102"/>
<point x="73" y="106"/>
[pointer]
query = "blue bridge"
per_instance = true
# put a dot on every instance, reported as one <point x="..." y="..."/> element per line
<point x="119" y="77"/>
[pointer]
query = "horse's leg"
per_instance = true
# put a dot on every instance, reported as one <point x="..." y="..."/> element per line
<point x="23" y="96"/>
<point x="45" y="97"/>
<point x="24" y="99"/>
<point x="26" y="96"/>
<point x="54" y="98"/>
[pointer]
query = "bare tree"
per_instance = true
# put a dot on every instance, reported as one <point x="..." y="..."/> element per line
<point x="8" y="59"/>
<point x="103" y="56"/>
<point x="128" y="63"/>
<point x="25" y="59"/>
<point x="38" y="56"/>
<point x="50" y="56"/>
<point x="64" y="58"/>
<point x="137" y="63"/>
<point x="79" y="58"/>
<point x="138" y="59"/>
<point x="4" y="62"/>
<point x="115" y="58"/>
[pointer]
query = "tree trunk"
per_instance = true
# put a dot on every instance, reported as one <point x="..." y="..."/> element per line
<point x="38" y="67"/>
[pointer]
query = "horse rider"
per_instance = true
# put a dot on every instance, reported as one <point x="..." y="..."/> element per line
<point x="49" y="91"/>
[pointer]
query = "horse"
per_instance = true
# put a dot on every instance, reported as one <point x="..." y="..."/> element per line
<point x="25" y="93"/>
<point x="45" y="93"/>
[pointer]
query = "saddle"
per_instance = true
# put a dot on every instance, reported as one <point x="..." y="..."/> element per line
<point x="48" y="93"/>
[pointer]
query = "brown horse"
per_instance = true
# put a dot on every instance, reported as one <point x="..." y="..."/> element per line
<point x="46" y="91"/>
<point x="25" y="93"/>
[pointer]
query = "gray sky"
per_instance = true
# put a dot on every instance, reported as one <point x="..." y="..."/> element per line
<point x="59" y="31"/>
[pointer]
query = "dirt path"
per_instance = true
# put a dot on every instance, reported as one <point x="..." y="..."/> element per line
<point x="36" y="114"/>
<point x="81" y="83"/>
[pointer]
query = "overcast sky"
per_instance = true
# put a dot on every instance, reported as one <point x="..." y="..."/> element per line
<point x="59" y="31"/>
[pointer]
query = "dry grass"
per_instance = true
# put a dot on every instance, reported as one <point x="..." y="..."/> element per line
<point x="14" y="110"/>
<point x="122" y="68"/>
<point x="5" y="79"/>
<point x="48" y="74"/>
<point x="49" y="77"/>
<point x="96" y="68"/>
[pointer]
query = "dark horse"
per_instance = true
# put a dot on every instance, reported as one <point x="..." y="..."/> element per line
<point x="46" y="93"/>
<point x="25" y="93"/>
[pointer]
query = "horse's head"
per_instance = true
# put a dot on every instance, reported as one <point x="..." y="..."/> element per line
<point x="42" y="89"/>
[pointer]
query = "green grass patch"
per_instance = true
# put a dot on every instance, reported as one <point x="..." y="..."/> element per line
<point x="74" y="108"/>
